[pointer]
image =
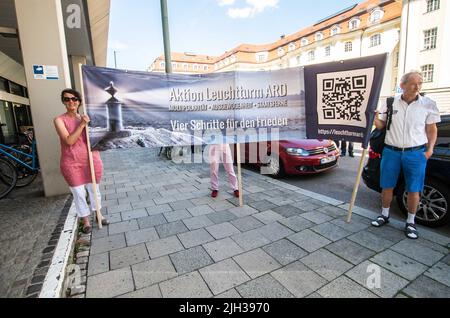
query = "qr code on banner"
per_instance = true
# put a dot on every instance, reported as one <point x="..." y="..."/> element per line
<point x="343" y="97"/>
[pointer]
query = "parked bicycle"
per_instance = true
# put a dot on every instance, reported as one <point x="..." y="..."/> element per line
<point x="19" y="165"/>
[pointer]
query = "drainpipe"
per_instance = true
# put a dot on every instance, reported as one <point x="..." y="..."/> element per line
<point x="361" y="41"/>
<point x="406" y="37"/>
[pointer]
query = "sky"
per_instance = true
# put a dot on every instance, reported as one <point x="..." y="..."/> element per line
<point x="209" y="27"/>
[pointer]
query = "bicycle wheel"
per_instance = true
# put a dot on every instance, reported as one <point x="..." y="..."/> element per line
<point x="8" y="177"/>
<point x="24" y="175"/>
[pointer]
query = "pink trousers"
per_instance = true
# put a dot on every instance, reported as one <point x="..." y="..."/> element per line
<point x="217" y="154"/>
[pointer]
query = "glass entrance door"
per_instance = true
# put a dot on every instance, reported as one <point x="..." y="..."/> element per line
<point x="7" y="122"/>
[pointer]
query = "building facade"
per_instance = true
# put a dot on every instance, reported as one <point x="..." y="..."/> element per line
<point x="368" y="28"/>
<point x="423" y="46"/>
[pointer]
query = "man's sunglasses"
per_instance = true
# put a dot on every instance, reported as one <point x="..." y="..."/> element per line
<point x="73" y="99"/>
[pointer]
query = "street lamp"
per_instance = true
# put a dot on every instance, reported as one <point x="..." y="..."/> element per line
<point x="115" y="59"/>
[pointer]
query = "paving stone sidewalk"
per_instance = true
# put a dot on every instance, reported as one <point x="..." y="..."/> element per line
<point x="29" y="231"/>
<point x="169" y="238"/>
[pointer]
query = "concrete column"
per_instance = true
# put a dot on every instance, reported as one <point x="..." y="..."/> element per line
<point x="43" y="42"/>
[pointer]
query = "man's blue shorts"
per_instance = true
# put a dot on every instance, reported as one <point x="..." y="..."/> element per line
<point x="413" y="164"/>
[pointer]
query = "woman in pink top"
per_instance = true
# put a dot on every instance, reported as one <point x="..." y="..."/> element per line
<point x="74" y="165"/>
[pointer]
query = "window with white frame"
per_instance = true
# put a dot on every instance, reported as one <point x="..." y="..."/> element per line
<point x="375" y="40"/>
<point x="311" y="56"/>
<point x="433" y="5"/>
<point x="185" y="66"/>
<point x="319" y="36"/>
<point x="354" y="23"/>
<point x="195" y="67"/>
<point x="174" y="65"/>
<point x="280" y="51"/>
<point x="261" y="57"/>
<point x="328" y="50"/>
<point x="162" y="64"/>
<point x="233" y="58"/>
<point x="298" y="58"/>
<point x="335" y="30"/>
<point x="227" y="61"/>
<point x="291" y="46"/>
<point x="427" y="73"/>
<point x="304" y="41"/>
<point x="376" y="15"/>
<point x="429" y="39"/>
<point x="348" y="46"/>
<point x="205" y="67"/>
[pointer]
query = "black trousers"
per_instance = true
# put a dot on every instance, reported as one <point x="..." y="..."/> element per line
<point x="342" y="144"/>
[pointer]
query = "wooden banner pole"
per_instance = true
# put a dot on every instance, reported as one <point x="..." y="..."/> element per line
<point x="355" y="189"/>
<point x="91" y="161"/>
<point x="241" y="193"/>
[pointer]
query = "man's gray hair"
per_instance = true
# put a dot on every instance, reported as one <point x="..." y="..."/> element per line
<point x="405" y="78"/>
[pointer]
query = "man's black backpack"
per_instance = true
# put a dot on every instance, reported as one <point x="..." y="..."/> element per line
<point x="377" y="136"/>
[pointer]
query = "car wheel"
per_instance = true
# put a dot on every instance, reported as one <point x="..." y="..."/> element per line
<point x="169" y="153"/>
<point x="434" y="204"/>
<point x="274" y="166"/>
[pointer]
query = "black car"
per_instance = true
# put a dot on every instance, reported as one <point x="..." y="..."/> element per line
<point x="435" y="201"/>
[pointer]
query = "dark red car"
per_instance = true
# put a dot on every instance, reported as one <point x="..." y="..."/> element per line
<point x="300" y="156"/>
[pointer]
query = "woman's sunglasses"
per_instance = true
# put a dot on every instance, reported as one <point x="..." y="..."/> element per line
<point x="68" y="99"/>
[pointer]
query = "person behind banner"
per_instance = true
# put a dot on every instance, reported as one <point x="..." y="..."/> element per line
<point x="342" y="144"/>
<point x="409" y="143"/>
<point x="74" y="163"/>
<point x="221" y="153"/>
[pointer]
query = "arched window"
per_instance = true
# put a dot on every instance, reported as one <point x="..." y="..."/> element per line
<point x="354" y="23"/>
<point x="376" y="15"/>
<point x="304" y="41"/>
<point x="319" y="36"/>
<point x="335" y="30"/>
<point x="291" y="46"/>
<point x="280" y="51"/>
<point x="311" y="56"/>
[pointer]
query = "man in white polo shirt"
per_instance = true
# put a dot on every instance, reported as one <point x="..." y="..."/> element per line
<point x="409" y="143"/>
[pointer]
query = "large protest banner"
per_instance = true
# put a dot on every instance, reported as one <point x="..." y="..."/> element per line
<point x="132" y="109"/>
<point x="167" y="110"/>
